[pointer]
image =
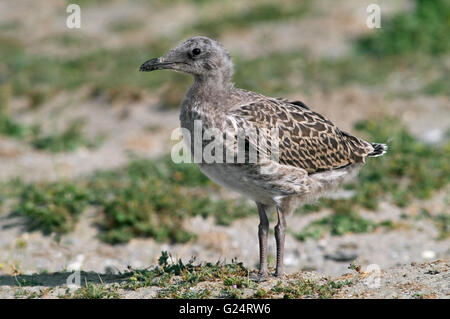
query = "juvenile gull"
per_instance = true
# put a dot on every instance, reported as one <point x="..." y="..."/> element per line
<point x="313" y="155"/>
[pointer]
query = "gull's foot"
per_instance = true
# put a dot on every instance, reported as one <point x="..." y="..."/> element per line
<point x="279" y="275"/>
<point x="259" y="277"/>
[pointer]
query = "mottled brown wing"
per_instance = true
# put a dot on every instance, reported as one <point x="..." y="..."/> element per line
<point x="306" y="139"/>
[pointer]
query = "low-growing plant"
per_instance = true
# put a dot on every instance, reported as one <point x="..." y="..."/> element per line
<point x="336" y="224"/>
<point x="152" y="198"/>
<point x="190" y="273"/>
<point x="69" y="140"/>
<point x="52" y="207"/>
<point x="424" y="29"/>
<point x="264" y="12"/>
<point x="11" y="128"/>
<point x="442" y="222"/>
<point x="146" y="198"/>
<point x="307" y="288"/>
<point x="92" y="291"/>
<point x="410" y="169"/>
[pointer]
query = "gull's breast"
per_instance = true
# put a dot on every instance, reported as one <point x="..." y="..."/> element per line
<point x="238" y="179"/>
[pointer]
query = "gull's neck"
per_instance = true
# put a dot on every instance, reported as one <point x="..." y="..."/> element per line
<point x="216" y="83"/>
<point x="212" y="87"/>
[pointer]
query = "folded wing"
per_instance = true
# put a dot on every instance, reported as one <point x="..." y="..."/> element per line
<point x="306" y="139"/>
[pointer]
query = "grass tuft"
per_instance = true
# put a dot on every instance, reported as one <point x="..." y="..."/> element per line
<point x="423" y="30"/>
<point x="146" y="198"/>
<point x="309" y="288"/>
<point x="69" y="140"/>
<point x="337" y="225"/>
<point x="191" y="273"/>
<point x="52" y="207"/>
<point x="265" y="12"/>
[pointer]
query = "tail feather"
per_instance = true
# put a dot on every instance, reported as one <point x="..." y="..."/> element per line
<point x="378" y="150"/>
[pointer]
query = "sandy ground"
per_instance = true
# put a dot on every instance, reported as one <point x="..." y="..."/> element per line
<point x="393" y="252"/>
<point x="404" y="255"/>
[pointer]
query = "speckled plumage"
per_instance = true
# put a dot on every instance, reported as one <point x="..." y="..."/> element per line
<point x="306" y="139"/>
<point x="314" y="156"/>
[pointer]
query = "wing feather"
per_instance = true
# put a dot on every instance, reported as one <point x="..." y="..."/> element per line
<point x="306" y="139"/>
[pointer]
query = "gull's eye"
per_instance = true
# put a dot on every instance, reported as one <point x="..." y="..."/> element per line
<point x="196" y="51"/>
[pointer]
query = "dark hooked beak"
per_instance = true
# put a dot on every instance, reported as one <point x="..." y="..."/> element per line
<point x="155" y="64"/>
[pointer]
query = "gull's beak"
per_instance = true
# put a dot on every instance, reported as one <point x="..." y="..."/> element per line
<point x="155" y="64"/>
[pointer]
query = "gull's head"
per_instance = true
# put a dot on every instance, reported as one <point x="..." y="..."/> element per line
<point x="200" y="56"/>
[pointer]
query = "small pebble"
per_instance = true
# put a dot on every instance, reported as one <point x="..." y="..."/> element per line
<point x="322" y="243"/>
<point x="342" y="256"/>
<point x="290" y="260"/>
<point x="428" y="254"/>
<point x="110" y="270"/>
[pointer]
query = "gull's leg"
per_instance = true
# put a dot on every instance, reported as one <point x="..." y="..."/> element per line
<point x="263" y="231"/>
<point x="280" y="233"/>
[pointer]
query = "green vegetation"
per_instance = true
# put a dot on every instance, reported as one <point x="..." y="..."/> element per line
<point x="441" y="220"/>
<point x="178" y="280"/>
<point x="151" y="198"/>
<point x="392" y="48"/>
<point x="415" y="40"/>
<point x="125" y="25"/>
<point x="10" y="25"/>
<point x="147" y="198"/>
<point x="83" y="3"/>
<point x="68" y="140"/>
<point x="11" y="128"/>
<point x="22" y="71"/>
<point x="190" y="275"/>
<point x="411" y="169"/>
<point x="21" y="282"/>
<point x="263" y="74"/>
<point x="443" y="223"/>
<point x="424" y="30"/>
<point x="309" y="288"/>
<point x="52" y="207"/>
<point x="70" y="40"/>
<point x="439" y="85"/>
<point x="413" y="43"/>
<point x="192" y="280"/>
<point x="305" y="71"/>
<point x="249" y="16"/>
<point x="91" y="291"/>
<point x="22" y="293"/>
<point x="336" y="224"/>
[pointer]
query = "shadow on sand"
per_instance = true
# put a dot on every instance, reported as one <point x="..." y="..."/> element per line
<point x="60" y="279"/>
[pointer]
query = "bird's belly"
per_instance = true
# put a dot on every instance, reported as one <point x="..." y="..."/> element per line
<point x="237" y="179"/>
